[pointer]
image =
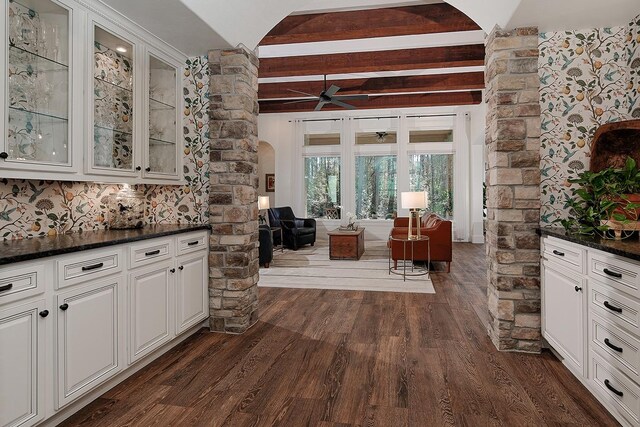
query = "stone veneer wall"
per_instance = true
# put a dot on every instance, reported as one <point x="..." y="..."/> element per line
<point x="513" y="193"/>
<point x="233" y="210"/>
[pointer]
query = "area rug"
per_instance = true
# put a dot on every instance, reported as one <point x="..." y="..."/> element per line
<point x="310" y="268"/>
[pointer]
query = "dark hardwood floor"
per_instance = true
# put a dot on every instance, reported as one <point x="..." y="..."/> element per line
<point x="334" y="358"/>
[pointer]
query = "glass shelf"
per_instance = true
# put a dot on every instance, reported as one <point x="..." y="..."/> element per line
<point x="155" y="105"/>
<point x="101" y="80"/>
<point x="108" y="129"/>
<point x="55" y="65"/>
<point x="154" y="141"/>
<point x="35" y="113"/>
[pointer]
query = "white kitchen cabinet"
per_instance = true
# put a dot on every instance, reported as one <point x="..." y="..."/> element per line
<point x="192" y="302"/>
<point x="88" y="332"/>
<point x="150" y="309"/>
<point x="564" y="314"/>
<point x="22" y="352"/>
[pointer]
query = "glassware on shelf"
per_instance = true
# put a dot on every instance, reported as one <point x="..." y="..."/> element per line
<point x="38" y="83"/>
<point x="126" y="209"/>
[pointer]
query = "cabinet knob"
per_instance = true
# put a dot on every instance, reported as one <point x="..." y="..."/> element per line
<point x="148" y="169"/>
<point x="44" y="313"/>
<point x="64" y="306"/>
<point x="138" y="168"/>
<point x="181" y="267"/>
<point x="578" y="288"/>
<point x="4" y="155"/>
<point x="173" y="270"/>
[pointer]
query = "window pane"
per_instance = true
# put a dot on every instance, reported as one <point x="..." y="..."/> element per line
<point x="433" y="173"/>
<point x="322" y="182"/>
<point x="376" y="181"/>
<point x="382" y="137"/>
<point x="419" y="136"/>
<point x="322" y="139"/>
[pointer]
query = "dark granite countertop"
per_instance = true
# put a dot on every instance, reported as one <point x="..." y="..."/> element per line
<point x="629" y="248"/>
<point x="40" y="247"/>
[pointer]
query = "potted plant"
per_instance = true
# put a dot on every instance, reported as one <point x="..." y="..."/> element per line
<point x="608" y="200"/>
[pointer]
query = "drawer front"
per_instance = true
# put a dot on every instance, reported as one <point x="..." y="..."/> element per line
<point x="615" y="388"/>
<point x="615" y="272"/>
<point x="21" y="282"/>
<point x="150" y="251"/>
<point x="615" y="307"/>
<point x="78" y="268"/>
<point x="619" y="347"/>
<point x="563" y="253"/>
<point x="192" y="242"/>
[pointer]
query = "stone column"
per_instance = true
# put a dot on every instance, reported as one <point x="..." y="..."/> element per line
<point x="233" y="256"/>
<point x="513" y="192"/>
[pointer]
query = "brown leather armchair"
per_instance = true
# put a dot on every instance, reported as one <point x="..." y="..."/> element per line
<point x="440" y="237"/>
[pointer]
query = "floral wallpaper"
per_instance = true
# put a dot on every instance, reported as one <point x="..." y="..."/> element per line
<point x="31" y="208"/>
<point x="587" y="78"/>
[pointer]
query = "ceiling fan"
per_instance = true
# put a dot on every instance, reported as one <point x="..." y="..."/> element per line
<point x="328" y="96"/>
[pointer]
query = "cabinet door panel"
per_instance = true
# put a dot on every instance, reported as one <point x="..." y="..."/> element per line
<point x="87" y="339"/>
<point x="191" y="291"/>
<point x="149" y="305"/>
<point x="564" y="320"/>
<point x="21" y="367"/>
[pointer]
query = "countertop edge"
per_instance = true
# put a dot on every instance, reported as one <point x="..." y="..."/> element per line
<point x="113" y="242"/>
<point x="560" y="233"/>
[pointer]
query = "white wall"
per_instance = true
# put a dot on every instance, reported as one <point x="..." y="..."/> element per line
<point x="279" y="130"/>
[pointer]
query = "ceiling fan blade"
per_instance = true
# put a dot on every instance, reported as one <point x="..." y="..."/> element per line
<point x="303" y="93"/>
<point x="332" y="90"/>
<point x="297" y="101"/>
<point x="320" y="105"/>
<point x="351" y="97"/>
<point x="342" y="104"/>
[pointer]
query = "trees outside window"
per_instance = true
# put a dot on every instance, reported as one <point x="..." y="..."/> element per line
<point x="322" y="183"/>
<point x="376" y="187"/>
<point x="433" y="173"/>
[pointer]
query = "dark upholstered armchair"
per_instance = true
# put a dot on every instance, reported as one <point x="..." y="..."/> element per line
<point x="295" y="231"/>
<point x="266" y="245"/>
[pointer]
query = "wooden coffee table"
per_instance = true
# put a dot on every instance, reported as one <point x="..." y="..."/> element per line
<point x="346" y="244"/>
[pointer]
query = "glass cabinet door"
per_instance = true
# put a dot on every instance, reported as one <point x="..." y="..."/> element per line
<point x="37" y="130"/>
<point x="162" y="143"/>
<point x="113" y="102"/>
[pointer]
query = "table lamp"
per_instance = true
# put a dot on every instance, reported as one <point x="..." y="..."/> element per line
<point x="414" y="201"/>
<point x="263" y="203"/>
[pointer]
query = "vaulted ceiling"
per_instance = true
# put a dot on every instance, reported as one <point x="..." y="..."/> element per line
<point x="411" y="56"/>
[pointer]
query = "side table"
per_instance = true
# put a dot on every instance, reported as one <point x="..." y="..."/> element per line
<point x="275" y="230"/>
<point x="408" y="256"/>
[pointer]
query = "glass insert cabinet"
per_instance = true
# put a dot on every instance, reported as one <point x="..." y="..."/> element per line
<point x="86" y="99"/>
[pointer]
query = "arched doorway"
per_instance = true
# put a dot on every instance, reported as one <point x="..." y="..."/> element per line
<point x="266" y="170"/>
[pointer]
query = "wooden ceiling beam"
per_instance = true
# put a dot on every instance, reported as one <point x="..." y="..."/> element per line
<point x="384" y="101"/>
<point x="358" y="24"/>
<point x="362" y="62"/>
<point x="428" y="83"/>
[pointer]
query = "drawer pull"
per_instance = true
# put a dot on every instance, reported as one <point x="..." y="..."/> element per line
<point x="611" y="346"/>
<point x="578" y="288"/>
<point x="612" y="308"/>
<point x="6" y="287"/>
<point x="612" y="273"/>
<point x="64" y="306"/>
<point x="44" y="313"/>
<point x="616" y="392"/>
<point x="558" y="253"/>
<point x="156" y="252"/>
<point x="192" y="243"/>
<point x="93" y="267"/>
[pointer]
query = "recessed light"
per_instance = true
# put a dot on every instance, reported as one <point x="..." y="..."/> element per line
<point x="121" y="49"/>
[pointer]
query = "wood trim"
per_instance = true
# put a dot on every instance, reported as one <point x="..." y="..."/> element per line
<point x="361" y="62"/>
<point x="359" y="24"/>
<point x="429" y="83"/>
<point x="438" y="99"/>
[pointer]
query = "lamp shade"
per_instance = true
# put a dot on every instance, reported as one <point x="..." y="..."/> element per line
<point x="414" y="199"/>
<point x="263" y="202"/>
